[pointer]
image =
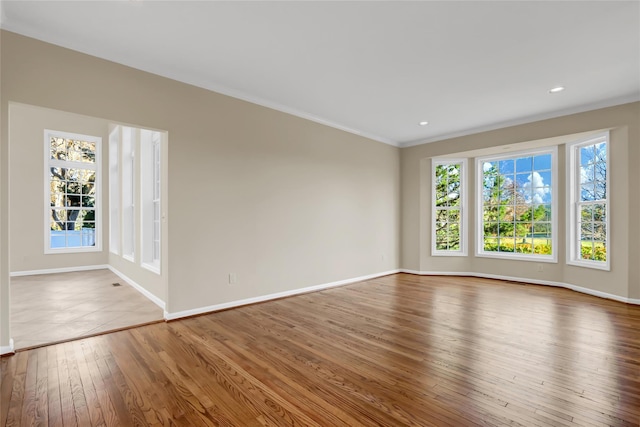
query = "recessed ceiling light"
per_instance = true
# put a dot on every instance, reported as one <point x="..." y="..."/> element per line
<point x="423" y="123"/>
<point x="556" y="89"/>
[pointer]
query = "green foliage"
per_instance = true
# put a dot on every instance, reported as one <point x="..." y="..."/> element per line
<point x="447" y="201"/>
<point x="522" y="248"/>
<point x="596" y="252"/>
<point x="508" y="214"/>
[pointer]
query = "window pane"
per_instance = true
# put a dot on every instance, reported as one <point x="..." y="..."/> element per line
<point x="70" y="189"/>
<point x="586" y="155"/>
<point x="587" y="192"/>
<point x="600" y="190"/>
<point x="524" y="164"/>
<point x="542" y="162"/>
<point x="599" y="212"/>
<point x="600" y="152"/>
<point x="588" y="228"/>
<point x="58" y="149"/>
<point x="518" y="195"/>
<point x="447" y="193"/>
<point x="586" y="231"/>
<point x="506" y="167"/>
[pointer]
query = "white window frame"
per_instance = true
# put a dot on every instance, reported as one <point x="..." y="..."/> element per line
<point x="129" y="194"/>
<point x="114" y="191"/>
<point x="150" y="193"/>
<point x="96" y="166"/>
<point x="435" y="162"/>
<point x="479" y="221"/>
<point x="573" y="202"/>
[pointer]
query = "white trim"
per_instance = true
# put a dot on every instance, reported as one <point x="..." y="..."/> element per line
<point x="464" y="206"/>
<point x="627" y="99"/>
<point x="151" y="297"/>
<point x="96" y="166"/>
<point x="479" y="203"/>
<point x="8" y="349"/>
<point x="263" y="298"/>
<point x="570" y="286"/>
<point x="573" y="169"/>
<point x="154" y="268"/>
<point x="58" y="270"/>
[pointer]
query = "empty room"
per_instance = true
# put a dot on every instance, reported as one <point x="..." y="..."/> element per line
<point x="319" y="213"/>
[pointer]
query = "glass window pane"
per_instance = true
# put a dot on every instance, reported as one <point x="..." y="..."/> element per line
<point x="542" y="162"/>
<point x="599" y="212"/>
<point x="586" y="213"/>
<point x="600" y="190"/>
<point x="506" y="167"/>
<point x="58" y="148"/>
<point x="586" y="155"/>
<point x="600" y="152"/>
<point x="599" y="231"/>
<point x="454" y="215"/>
<point x="587" y="192"/>
<point x="586" y="231"/>
<point x="587" y="174"/>
<point x="524" y="164"/>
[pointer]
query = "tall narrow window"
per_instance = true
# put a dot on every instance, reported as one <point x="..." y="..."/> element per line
<point x="128" y="193"/>
<point x="114" y="191"/>
<point x="448" y="201"/>
<point x="150" y="177"/>
<point x="589" y="208"/>
<point x="72" y="189"/>
<point x="517" y="206"/>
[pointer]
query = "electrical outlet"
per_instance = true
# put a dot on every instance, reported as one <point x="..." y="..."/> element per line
<point x="233" y="278"/>
<point x="540" y="268"/>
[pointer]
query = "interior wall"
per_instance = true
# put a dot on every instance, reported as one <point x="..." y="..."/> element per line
<point x="279" y="201"/>
<point x="5" y="335"/>
<point x="621" y="280"/>
<point x="154" y="283"/>
<point x="26" y="188"/>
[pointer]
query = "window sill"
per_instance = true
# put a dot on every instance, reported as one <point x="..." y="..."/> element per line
<point x="590" y="264"/>
<point x="154" y="268"/>
<point x="510" y="256"/>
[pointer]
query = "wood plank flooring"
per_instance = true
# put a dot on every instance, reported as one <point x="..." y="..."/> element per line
<point x="400" y="350"/>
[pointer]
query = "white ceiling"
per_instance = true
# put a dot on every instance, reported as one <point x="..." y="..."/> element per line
<point x="372" y="68"/>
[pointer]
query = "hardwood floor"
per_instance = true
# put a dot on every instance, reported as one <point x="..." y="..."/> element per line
<point x="400" y="350"/>
<point x="48" y="308"/>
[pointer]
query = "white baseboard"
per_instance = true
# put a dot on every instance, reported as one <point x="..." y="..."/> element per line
<point x="526" y="280"/>
<point x="58" y="270"/>
<point x="8" y="349"/>
<point x="263" y="298"/>
<point x="151" y="297"/>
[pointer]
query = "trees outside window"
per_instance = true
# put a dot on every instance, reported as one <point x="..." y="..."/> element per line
<point x="448" y="201"/>
<point x="72" y="216"/>
<point x="588" y="202"/>
<point x="516" y="206"/>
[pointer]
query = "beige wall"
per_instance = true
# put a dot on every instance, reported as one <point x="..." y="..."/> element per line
<point x="4" y="209"/>
<point x="280" y="201"/>
<point x="26" y="187"/>
<point x="622" y="280"/>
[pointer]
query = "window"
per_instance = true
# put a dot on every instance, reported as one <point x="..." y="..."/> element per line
<point x="135" y="211"/>
<point x="150" y="194"/>
<point x="128" y="193"/>
<point x="448" y="201"/>
<point x="72" y="191"/>
<point x="114" y="192"/>
<point x="517" y="206"/>
<point x="588" y="204"/>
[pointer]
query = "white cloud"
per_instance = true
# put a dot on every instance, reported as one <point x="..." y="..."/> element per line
<point x="535" y="182"/>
